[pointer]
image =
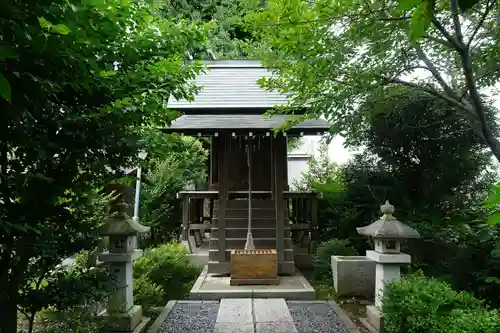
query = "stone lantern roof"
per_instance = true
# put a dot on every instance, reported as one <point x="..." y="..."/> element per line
<point x="119" y="223"/>
<point x="388" y="227"/>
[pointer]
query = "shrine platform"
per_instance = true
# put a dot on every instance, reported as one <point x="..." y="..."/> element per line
<point x="211" y="287"/>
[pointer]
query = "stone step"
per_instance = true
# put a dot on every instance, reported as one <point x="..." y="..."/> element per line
<point x="260" y="243"/>
<point x="213" y="255"/>
<point x="242" y="222"/>
<point x="243" y="204"/>
<point x="256" y="212"/>
<point x="254" y="315"/>
<point x="224" y="267"/>
<point x="256" y="232"/>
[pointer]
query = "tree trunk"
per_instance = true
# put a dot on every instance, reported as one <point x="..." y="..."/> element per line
<point x="8" y="313"/>
<point x="494" y="145"/>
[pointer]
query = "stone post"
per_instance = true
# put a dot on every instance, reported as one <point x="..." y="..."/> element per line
<point x="387" y="234"/>
<point x="121" y="315"/>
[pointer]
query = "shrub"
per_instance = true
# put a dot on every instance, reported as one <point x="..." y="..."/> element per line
<point x="420" y="304"/>
<point x="324" y="252"/>
<point x="147" y="293"/>
<point x="167" y="266"/>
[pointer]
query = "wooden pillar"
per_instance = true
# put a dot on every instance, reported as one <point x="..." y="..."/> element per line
<point x="185" y="217"/>
<point x="223" y="194"/>
<point x="279" y="145"/>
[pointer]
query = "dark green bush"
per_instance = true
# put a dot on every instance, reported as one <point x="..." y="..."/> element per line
<point x="167" y="266"/>
<point x="417" y="304"/>
<point x="324" y="252"/>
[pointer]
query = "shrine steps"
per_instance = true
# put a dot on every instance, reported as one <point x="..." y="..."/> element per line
<point x="258" y="231"/>
<point x="260" y="243"/>
<point x="263" y="213"/>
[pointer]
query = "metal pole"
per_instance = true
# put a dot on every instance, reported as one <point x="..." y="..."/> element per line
<point x="137" y="194"/>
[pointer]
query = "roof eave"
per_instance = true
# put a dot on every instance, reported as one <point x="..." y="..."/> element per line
<point x="294" y="131"/>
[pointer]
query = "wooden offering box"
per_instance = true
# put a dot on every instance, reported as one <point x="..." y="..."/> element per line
<point x="253" y="267"/>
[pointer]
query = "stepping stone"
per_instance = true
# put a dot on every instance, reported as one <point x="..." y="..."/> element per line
<point x="272" y="316"/>
<point x="235" y="310"/>
<point x="271" y="310"/>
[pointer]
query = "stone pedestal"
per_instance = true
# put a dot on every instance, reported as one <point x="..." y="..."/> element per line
<point x="387" y="269"/>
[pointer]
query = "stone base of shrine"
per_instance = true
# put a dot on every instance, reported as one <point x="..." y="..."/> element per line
<point x="211" y="287"/>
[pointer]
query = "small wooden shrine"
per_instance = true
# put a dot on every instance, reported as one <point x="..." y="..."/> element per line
<point x="251" y="206"/>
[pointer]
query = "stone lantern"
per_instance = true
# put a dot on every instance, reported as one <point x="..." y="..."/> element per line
<point x="387" y="234"/>
<point x="121" y="314"/>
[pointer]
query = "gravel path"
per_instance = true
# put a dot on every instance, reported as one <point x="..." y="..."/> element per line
<point x="192" y="317"/>
<point x="316" y="317"/>
<point x="201" y="316"/>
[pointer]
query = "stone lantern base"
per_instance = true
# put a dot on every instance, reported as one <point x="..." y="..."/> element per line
<point x="130" y="322"/>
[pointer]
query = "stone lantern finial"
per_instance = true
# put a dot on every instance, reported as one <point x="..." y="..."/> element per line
<point x="387" y="209"/>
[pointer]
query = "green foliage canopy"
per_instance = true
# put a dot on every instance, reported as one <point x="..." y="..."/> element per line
<point x="331" y="55"/>
<point x="78" y="79"/>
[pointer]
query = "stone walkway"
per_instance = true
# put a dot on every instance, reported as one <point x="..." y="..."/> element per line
<point x="253" y="315"/>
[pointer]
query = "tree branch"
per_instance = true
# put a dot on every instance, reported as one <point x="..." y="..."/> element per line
<point x="439" y="41"/>
<point x="456" y="23"/>
<point x="432" y="92"/>
<point x="479" y="24"/>
<point x="445" y="33"/>
<point x="435" y="72"/>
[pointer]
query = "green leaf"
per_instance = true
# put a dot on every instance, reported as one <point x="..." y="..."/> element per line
<point x="61" y="29"/>
<point x="420" y="21"/>
<point x="494" y="219"/>
<point x="467" y="4"/>
<point x="7" y="52"/>
<point x="5" y="91"/>
<point x="44" y="24"/>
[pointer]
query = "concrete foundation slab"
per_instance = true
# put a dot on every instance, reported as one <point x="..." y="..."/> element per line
<point x="210" y="287"/>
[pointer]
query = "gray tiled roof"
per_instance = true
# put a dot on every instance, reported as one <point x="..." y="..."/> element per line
<point x="229" y="84"/>
<point x="245" y="121"/>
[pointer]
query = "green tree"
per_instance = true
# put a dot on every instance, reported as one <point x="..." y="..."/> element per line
<point x="331" y="55"/>
<point x="181" y="161"/>
<point x="78" y="80"/>
<point x="227" y="36"/>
